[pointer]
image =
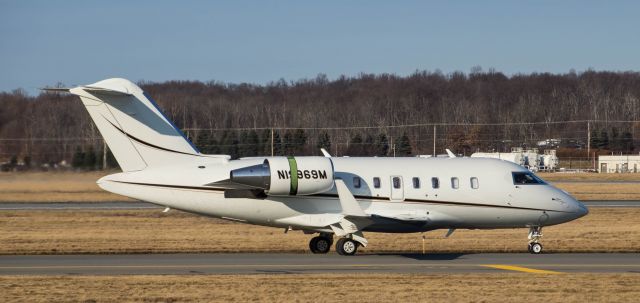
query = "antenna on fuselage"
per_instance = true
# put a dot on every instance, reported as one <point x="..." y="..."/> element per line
<point x="451" y="154"/>
<point x="325" y="153"/>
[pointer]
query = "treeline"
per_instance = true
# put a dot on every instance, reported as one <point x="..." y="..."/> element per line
<point x="49" y="128"/>
<point x="251" y="143"/>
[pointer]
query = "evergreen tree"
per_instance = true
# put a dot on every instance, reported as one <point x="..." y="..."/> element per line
<point x="627" y="142"/>
<point x="265" y="143"/>
<point x="382" y="145"/>
<point x="243" y="144"/>
<point x="604" y="140"/>
<point x="355" y="146"/>
<point x="78" y="158"/>
<point x="615" y="143"/>
<point x="111" y="160"/>
<point x="324" y="141"/>
<point x="207" y="143"/>
<point x="595" y="139"/>
<point x="278" y="146"/>
<point x="403" y="146"/>
<point x="229" y="143"/>
<point x="300" y="140"/>
<point x="90" y="159"/>
<point x="368" y="146"/>
<point x="288" y="144"/>
<point x="252" y="147"/>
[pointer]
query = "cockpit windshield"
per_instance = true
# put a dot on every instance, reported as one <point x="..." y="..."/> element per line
<point x="526" y="178"/>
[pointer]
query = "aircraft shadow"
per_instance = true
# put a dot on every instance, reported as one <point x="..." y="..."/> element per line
<point x="427" y="257"/>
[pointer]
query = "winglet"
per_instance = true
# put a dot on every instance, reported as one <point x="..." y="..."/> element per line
<point x="451" y="154"/>
<point x="325" y="153"/>
<point x="350" y="206"/>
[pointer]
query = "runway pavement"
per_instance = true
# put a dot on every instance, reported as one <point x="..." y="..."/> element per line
<point x="116" y="205"/>
<point x="307" y="263"/>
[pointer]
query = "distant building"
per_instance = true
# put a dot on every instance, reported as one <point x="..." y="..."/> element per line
<point x="549" y="143"/>
<point x="619" y="164"/>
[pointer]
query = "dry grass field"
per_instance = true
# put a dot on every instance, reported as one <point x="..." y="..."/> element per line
<point x="54" y="187"/>
<point x="144" y="231"/>
<point x="499" y="287"/>
<point x="81" y="187"/>
<point x="588" y="177"/>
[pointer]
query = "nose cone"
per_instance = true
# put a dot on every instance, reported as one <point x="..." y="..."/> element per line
<point x="574" y="208"/>
<point x="579" y="209"/>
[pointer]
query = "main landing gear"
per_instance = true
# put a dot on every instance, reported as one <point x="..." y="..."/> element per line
<point x="347" y="247"/>
<point x="321" y="244"/>
<point x="535" y="233"/>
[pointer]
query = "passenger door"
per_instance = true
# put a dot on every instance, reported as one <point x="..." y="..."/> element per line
<point x="397" y="188"/>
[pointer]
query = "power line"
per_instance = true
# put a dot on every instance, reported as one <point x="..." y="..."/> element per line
<point x="418" y="125"/>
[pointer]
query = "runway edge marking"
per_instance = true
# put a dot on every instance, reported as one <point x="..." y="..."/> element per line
<point x="522" y="269"/>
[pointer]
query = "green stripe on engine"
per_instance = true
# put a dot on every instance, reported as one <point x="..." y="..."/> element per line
<point x="293" y="166"/>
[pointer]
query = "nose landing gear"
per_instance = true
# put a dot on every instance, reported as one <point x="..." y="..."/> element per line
<point x="535" y="233"/>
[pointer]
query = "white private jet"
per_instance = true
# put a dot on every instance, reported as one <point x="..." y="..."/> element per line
<point x="341" y="197"/>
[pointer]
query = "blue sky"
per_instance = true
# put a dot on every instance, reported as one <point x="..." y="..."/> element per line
<point x="80" y="42"/>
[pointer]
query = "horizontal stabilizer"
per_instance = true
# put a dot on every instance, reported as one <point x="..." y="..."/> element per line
<point x="55" y="89"/>
<point x="91" y="89"/>
<point x="105" y="91"/>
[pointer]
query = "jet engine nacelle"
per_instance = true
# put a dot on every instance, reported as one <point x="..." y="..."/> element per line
<point x="288" y="176"/>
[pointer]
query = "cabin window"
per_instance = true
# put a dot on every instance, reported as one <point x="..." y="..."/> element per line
<point x="376" y="182"/>
<point x="396" y="182"/>
<point x="526" y="178"/>
<point x="356" y="182"/>
<point x="435" y="183"/>
<point x="416" y="182"/>
<point x="455" y="183"/>
<point x="474" y="183"/>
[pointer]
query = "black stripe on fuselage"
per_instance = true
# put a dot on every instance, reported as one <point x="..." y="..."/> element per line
<point x="361" y="197"/>
<point x="386" y="199"/>
<point x="173" y="186"/>
<point x="147" y="143"/>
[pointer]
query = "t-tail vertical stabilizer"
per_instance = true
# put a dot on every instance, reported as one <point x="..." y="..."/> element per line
<point x="134" y="128"/>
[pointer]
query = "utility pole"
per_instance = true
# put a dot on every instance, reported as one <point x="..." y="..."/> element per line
<point x="393" y="147"/>
<point x="271" y="142"/>
<point x="104" y="154"/>
<point x="434" y="140"/>
<point x="589" y="141"/>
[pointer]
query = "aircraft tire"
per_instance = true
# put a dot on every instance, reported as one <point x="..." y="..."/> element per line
<point x="320" y="245"/>
<point x="313" y="244"/>
<point x="346" y="247"/>
<point x="535" y="248"/>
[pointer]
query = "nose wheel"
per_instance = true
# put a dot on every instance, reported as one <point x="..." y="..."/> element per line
<point x="320" y="244"/>
<point x="535" y="233"/>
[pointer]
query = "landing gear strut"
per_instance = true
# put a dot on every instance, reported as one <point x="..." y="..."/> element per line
<point x="321" y="244"/>
<point x="535" y="233"/>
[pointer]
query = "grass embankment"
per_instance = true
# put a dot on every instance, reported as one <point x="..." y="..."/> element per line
<point x="499" y="287"/>
<point x="81" y="187"/>
<point x="148" y="231"/>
